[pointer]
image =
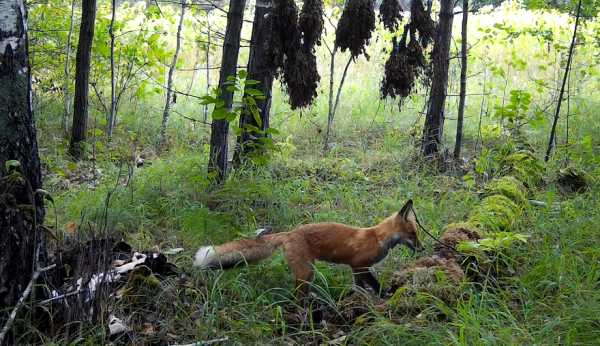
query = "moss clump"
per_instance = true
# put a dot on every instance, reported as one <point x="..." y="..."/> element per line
<point x="572" y="179"/>
<point x="141" y="288"/>
<point x="496" y="213"/>
<point x="524" y="166"/>
<point x="426" y="280"/>
<point x="452" y="235"/>
<point x="510" y="187"/>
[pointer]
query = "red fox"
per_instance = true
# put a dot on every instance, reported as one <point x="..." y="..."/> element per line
<point x="359" y="248"/>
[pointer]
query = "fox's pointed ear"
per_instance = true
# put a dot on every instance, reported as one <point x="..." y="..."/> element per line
<point x="407" y="213"/>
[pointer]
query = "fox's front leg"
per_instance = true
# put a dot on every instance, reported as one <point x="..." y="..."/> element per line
<point x="364" y="277"/>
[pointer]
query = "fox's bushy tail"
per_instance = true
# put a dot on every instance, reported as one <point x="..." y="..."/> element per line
<point x="238" y="252"/>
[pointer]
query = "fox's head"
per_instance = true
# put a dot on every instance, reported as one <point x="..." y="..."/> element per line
<point x="406" y="225"/>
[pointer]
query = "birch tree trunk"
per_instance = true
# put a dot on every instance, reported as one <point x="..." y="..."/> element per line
<point x="217" y="163"/>
<point x="113" y="82"/>
<point x="463" y="80"/>
<point x="169" y="96"/>
<point x="67" y="82"/>
<point x="19" y="238"/>
<point x="434" y="121"/>
<point x="208" y="44"/>
<point x="82" y="76"/>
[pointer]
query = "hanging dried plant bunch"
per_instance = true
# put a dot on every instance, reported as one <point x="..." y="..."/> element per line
<point x="414" y="51"/>
<point x="422" y="21"/>
<point x="355" y="26"/>
<point x="390" y="14"/>
<point x="399" y="74"/>
<point x="286" y="35"/>
<point x="301" y="78"/>
<point x="292" y="49"/>
<point x="311" y="23"/>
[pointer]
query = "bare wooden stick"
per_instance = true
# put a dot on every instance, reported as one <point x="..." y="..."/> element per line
<point x="564" y="82"/>
<point x="207" y="342"/>
<point x="21" y="302"/>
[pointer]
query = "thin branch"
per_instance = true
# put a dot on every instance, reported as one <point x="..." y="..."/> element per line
<point x="564" y="82"/>
<point x="22" y="300"/>
<point x="99" y="97"/>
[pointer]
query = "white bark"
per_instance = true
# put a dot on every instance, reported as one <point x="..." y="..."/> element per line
<point x="12" y="14"/>
<point x="113" y="81"/>
<point x="67" y="101"/>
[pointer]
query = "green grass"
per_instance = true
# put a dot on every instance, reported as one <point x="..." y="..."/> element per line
<point x="551" y="299"/>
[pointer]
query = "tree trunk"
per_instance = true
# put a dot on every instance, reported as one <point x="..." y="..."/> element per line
<point x="82" y="76"/>
<point x="19" y="238"/>
<point x="434" y="121"/>
<point x="217" y="163"/>
<point x="562" y="87"/>
<point x="332" y="111"/>
<point x="205" y="111"/>
<point x="259" y="69"/>
<point x="168" y="101"/>
<point x="463" y="81"/>
<point x="113" y="82"/>
<point x="67" y="82"/>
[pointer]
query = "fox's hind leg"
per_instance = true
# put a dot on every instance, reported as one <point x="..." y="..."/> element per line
<point x="301" y="265"/>
<point x="364" y="276"/>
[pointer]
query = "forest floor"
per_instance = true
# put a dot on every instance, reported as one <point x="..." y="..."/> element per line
<point x="551" y="296"/>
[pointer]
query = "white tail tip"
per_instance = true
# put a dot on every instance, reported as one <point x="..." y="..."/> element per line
<point x="204" y="256"/>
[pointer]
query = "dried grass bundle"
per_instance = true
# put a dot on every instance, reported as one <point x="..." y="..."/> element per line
<point x="311" y="23"/>
<point x="301" y="77"/>
<point x="355" y="26"/>
<point x="390" y="14"/>
<point x="421" y="19"/>
<point x="292" y="48"/>
<point x="399" y="76"/>
<point x="286" y="35"/>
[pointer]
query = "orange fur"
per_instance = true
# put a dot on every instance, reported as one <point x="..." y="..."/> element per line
<point x="359" y="248"/>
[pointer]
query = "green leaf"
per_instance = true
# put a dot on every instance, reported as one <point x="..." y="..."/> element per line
<point x="231" y="116"/>
<point x="242" y="74"/>
<point x="256" y="115"/>
<point x="219" y="113"/>
<point x="9" y="165"/>
<point x="272" y="131"/>
<point x="253" y="92"/>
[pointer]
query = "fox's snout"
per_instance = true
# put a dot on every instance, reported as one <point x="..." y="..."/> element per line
<point x="414" y="245"/>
